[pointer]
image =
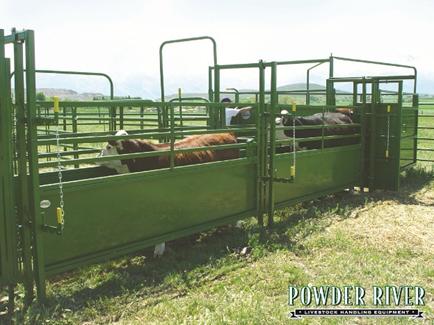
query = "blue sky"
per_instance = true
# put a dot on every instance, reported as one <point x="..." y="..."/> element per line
<point x="122" y="38"/>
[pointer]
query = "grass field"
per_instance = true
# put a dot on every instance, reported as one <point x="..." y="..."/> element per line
<point x="229" y="275"/>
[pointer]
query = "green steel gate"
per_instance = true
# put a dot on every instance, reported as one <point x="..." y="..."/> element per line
<point x="389" y="130"/>
<point x="426" y="132"/>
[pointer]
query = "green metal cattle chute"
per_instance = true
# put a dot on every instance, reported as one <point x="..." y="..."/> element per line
<point x="59" y="211"/>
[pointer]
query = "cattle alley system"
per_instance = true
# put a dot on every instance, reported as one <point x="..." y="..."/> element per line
<point x="60" y="209"/>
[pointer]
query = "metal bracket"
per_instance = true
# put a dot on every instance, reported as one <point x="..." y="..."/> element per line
<point x="58" y="230"/>
<point x="280" y="179"/>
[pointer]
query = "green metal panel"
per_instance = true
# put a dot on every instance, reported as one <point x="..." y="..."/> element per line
<point x="110" y="214"/>
<point x="408" y="145"/>
<point x="317" y="172"/>
<point x="387" y="129"/>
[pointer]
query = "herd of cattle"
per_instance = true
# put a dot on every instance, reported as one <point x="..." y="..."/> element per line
<point x="333" y="120"/>
<point x="128" y="146"/>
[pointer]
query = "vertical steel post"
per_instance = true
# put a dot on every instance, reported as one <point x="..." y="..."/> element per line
<point x="330" y="100"/>
<point x="372" y="135"/>
<point x="260" y="143"/>
<point x="172" y="136"/>
<point x="210" y="95"/>
<point x="215" y="110"/>
<point x="271" y="171"/>
<point x="397" y="138"/>
<point x="8" y="227"/>
<point x="37" y="221"/>
<point x="75" y="130"/>
<point x="142" y="111"/>
<point x="363" y="134"/>
<point x="210" y="87"/>
<point x="121" y="117"/>
<point x="23" y="203"/>
<point x="416" y="125"/>
<point x="112" y="126"/>
<point x="180" y="106"/>
<point x="331" y="66"/>
<point x="355" y="85"/>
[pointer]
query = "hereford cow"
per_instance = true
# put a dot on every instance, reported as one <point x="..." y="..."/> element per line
<point x="128" y="146"/>
<point x="181" y="158"/>
<point x="327" y="118"/>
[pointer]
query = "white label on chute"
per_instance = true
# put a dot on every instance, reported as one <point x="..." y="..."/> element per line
<point x="45" y="204"/>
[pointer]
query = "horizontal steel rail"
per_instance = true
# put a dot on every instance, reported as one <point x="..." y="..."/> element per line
<point x="384" y="64"/>
<point x="81" y="73"/>
<point x="143" y="155"/>
<point x="95" y="139"/>
<point x="381" y="78"/>
<point x="131" y="132"/>
<point x="319" y="138"/>
<point x="131" y="103"/>
<point x="67" y="153"/>
<point x="87" y="138"/>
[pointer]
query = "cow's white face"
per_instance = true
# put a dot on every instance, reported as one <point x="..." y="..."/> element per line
<point x="280" y="135"/>
<point x="113" y="150"/>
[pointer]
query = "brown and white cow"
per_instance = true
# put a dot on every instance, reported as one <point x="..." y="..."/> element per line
<point x="127" y="146"/>
<point x="119" y="147"/>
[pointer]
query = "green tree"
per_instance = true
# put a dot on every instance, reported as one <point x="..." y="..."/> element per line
<point x="40" y="97"/>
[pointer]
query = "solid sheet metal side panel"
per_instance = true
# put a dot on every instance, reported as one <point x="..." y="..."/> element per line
<point x="318" y="172"/>
<point x="387" y="146"/>
<point x="108" y="214"/>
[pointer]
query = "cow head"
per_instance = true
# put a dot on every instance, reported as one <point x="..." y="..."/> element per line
<point x="237" y="115"/>
<point x="279" y="120"/>
<point x="127" y="146"/>
<point x="114" y="148"/>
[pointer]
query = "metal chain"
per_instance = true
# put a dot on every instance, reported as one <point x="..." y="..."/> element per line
<point x="59" y="173"/>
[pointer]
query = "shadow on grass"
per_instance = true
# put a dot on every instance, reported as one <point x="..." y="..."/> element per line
<point x="196" y="259"/>
<point x="412" y="181"/>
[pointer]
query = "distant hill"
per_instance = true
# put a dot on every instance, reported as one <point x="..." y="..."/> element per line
<point x="68" y="94"/>
<point x="289" y="87"/>
<point x="300" y="86"/>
